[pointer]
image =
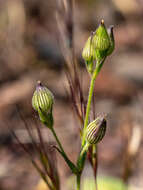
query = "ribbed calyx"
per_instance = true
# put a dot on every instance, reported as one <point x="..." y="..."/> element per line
<point x="42" y="102"/>
<point x="42" y="99"/>
<point x="101" y="39"/>
<point x="96" y="130"/>
<point x="98" y="46"/>
<point x="88" y="52"/>
<point x="89" y="55"/>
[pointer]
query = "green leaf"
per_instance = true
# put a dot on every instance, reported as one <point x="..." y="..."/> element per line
<point x="69" y="163"/>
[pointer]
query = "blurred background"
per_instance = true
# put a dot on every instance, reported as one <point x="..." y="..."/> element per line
<point x="30" y="51"/>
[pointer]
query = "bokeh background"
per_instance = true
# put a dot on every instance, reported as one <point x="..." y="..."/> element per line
<point x="30" y="51"/>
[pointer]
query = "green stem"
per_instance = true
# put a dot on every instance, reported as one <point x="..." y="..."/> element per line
<point x="78" y="181"/>
<point x="94" y="158"/>
<point x="82" y="157"/>
<point x="91" y="89"/>
<point x="85" y="148"/>
<point x="70" y="164"/>
<point x="99" y="65"/>
<point x="58" y="142"/>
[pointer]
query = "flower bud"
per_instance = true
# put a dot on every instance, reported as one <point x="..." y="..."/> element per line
<point x="42" y="102"/>
<point x="88" y="53"/>
<point x="42" y="99"/>
<point x="101" y="42"/>
<point x="98" y="46"/>
<point x="101" y="39"/>
<point x="96" y="130"/>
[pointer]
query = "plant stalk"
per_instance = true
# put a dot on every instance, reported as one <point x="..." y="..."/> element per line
<point x="78" y="176"/>
<point x="99" y="65"/>
<point x="91" y="89"/>
<point x="62" y="152"/>
<point x="57" y="140"/>
<point x="82" y="157"/>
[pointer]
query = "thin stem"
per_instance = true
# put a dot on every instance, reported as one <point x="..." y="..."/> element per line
<point x="95" y="159"/>
<point x="99" y="65"/>
<point x="78" y="181"/>
<point x="82" y="157"/>
<point x="85" y="148"/>
<point x="58" y="142"/>
<point x="96" y="167"/>
<point x="91" y="89"/>
<point x="70" y="164"/>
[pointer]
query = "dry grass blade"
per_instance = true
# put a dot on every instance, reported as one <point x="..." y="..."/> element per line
<point x="48" y="170"/>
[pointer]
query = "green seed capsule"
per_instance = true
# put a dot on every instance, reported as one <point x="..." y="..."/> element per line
<point x="101" y="40"/>
<point x="96" y="130"/>
<point x="42" y="102"/>
<point x="88" y="52"/>
<point x="42" y="99"/>
<point x="100" y="55"/>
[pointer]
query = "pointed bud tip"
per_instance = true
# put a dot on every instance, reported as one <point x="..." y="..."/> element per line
<point x="39" y="82"/>
<point x="102" y="22"/>
<point x="39" y="85"/>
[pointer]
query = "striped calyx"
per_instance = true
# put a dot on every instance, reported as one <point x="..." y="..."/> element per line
<point x="98" y="46"/>
<point x="89" y="55"/>
<point x="96" y="130"/>
<point x="101" y="40"/>
<point x="42" y="99"/>
<point x="88" y="52"/>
